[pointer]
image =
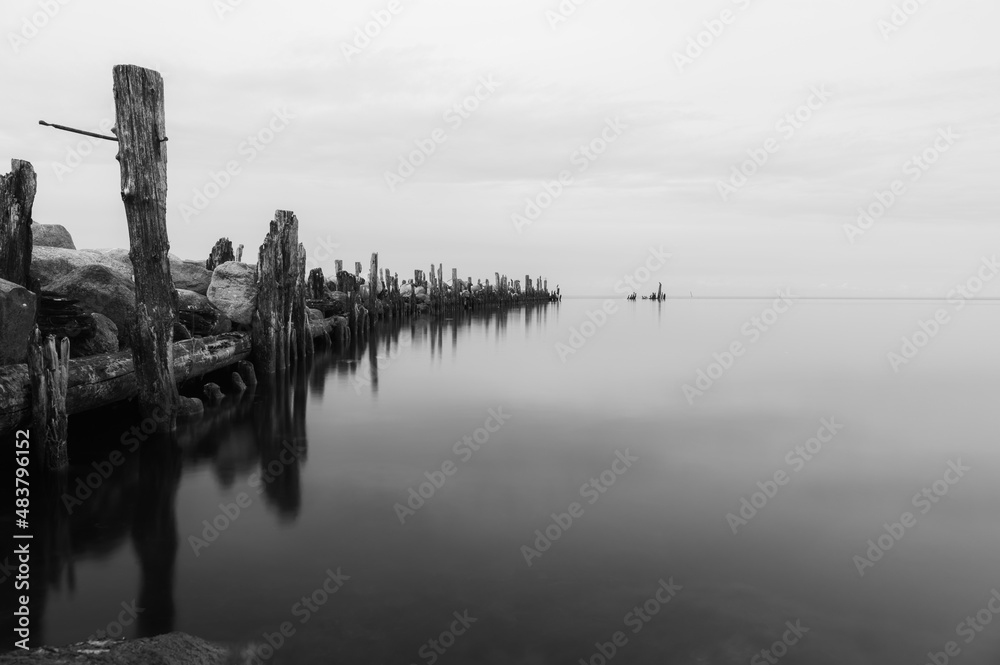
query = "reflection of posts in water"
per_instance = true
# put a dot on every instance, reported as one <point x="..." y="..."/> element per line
<point x="373" y="365"/>
<point x="154" y="533"/>
<point x="280" y="423"/>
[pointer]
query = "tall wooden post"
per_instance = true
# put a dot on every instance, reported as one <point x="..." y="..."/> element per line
<point x="280" y="267"/>
<point x="49" y="374"/>
<point x="142" y="154"/>
<point x="338" y="267"/>
<point x="304" y="344"/>
<point x="659" y="291"/>
<point x="17" y="197"/>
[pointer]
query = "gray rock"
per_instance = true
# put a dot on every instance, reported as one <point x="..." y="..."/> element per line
<point x="99" y="289"/>
<point x="233" y="291"/>
<point x="170" y="649"/>
<point x="190" y="275"/>
<point x="50" y="264"/>
<point x="213" y="393"/>
<point x="18" y="306"/>
<point x="238" y="382"/>
<point x="190" y="407"/>
<point x="314" y="314"/>
<point x="193" y="300"/>
<point x="104" y="339"/>
<point x="51" y="235"/>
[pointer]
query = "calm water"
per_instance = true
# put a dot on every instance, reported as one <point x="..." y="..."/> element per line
<point x="348" y="444"/>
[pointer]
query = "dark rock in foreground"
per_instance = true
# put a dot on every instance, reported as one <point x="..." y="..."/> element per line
<point x="170" y="649"/>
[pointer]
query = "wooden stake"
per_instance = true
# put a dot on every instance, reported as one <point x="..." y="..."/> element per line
<point x="372" y="287"/>
<point x="143" y="158"/>
<point x="221" y="252"/>
<point x="49" y="374"/>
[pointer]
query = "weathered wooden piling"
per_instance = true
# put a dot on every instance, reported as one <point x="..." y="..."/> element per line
<point x="142" y="154"/>
<point x="317" y="284"/>
<point x="17" y="198"/>
<point x="221" y="252"/>
<point x="276" y="318"/>
<point x="303" y="340"/>
<point x="49" y="374"/>
<point x="372" y="287"/>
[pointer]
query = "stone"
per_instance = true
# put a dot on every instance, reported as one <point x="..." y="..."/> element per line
<point x="51" y="264"/>
<point x="233" y="291"/>
<point x="99" y="289"/>
<point x="168" y="649"/>
<point x="238" y="382"/>
<point x="213" y="393"/>
<point x="51" y="235"/>
<point x="314" y="314"/>
<point x="18" y="307"/>
<point x="190" y="275"/>
<point x="104" y="339"/>
<point x="190" y="407"/>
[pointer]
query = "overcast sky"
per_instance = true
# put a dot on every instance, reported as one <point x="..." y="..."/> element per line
<point x="681" y="121"/>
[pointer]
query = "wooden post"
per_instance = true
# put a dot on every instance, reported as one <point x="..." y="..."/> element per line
<point x="49" y="374"/>
<point x="659" y="291"/>
<point x="338" y="266"/>
<point x="239" y="253"/>
<point x="142" y="154"/>
<point x="304" y="344"/>
<point x="17" y="197"/>
<point x="276" y="317"/>
<point x="317" y="284"/>
<point x="357" y="268"/>
<point x="372" y="288"/>
<point x="221" y="252"/>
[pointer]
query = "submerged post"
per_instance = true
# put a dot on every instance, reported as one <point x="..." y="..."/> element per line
<point x="17" y="197"/>
<point x="142" y="154"/>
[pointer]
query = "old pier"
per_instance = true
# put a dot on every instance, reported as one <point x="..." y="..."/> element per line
<point x="82" y="329"/>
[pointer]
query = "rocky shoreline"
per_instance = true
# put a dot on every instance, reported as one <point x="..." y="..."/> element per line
<point x="169" y="649"/>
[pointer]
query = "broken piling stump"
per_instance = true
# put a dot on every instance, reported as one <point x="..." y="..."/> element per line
<point x="17" y="198"/>
<point x="48" y="369"/>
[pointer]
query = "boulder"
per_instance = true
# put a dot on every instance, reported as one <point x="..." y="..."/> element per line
<point x="103" y="339"/>
<point x="233" y="291"/>
<point x="314" y="314"/>
<point x="18" y="306"/>
<point x="99" y="289"/>
<point x="213" y="393"/>
<point x="51" y="264"/>
<point x="190" y="275"/>
<point x="192" y="300"/>
<point x="51" y="235"/>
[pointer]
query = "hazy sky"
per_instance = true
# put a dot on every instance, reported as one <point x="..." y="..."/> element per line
<point x="239" y="69"/>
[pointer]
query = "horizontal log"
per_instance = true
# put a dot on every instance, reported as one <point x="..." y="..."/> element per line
<point x="97" y="381"/>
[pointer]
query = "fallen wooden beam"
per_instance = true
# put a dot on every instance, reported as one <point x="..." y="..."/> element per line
<point x="97" y="381"/>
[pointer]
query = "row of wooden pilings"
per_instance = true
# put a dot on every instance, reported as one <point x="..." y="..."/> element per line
<point x="51" y="386"/>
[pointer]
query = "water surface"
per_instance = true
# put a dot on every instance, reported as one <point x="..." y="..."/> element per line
<point x="350" y="436"/>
